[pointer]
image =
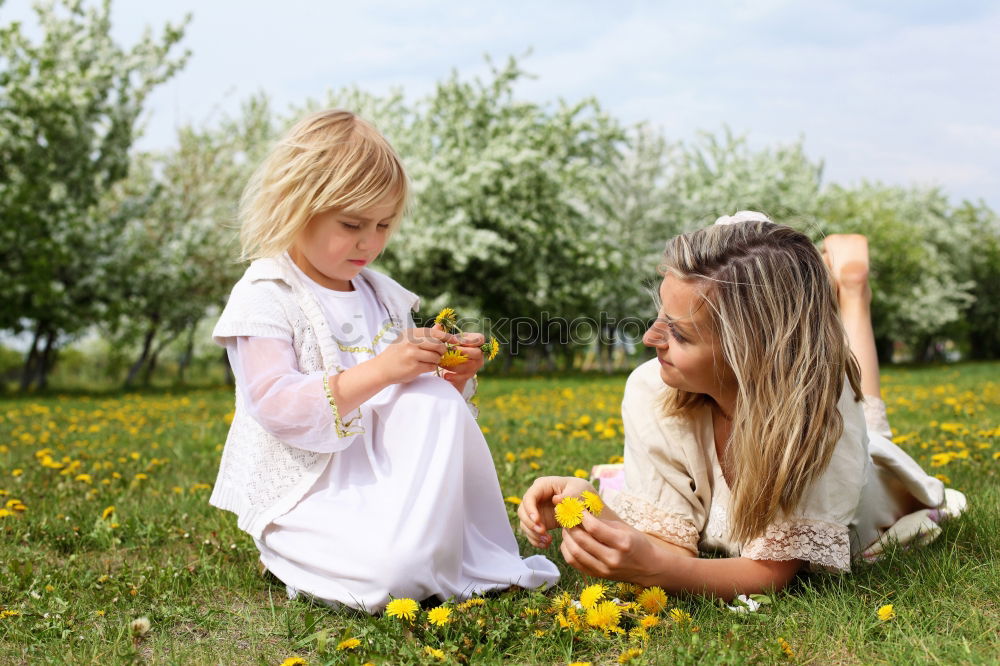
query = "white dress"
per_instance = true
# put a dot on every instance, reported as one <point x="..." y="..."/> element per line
<point x="411" y="509"/>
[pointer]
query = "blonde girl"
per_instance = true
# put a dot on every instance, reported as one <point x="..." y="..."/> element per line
<point x="360" y="474"/>
<point x="757" y="431"/>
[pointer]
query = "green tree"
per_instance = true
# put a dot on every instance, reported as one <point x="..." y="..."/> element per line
<point x="69" y="108"/>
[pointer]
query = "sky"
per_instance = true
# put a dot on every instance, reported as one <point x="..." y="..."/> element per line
<point x="900" y="92"/>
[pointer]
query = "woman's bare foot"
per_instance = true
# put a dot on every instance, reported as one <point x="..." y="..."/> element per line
<point x="847" y="257"/>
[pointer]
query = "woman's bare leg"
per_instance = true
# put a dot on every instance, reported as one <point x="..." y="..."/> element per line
<point x="847" y="257"/>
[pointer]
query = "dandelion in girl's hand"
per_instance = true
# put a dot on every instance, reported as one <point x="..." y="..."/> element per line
<point x="491" y="349"/>
<point x="448" y="320"/>
<point x="886" y="613"/>
<point x="451" y="358"/>
<point x="591" y="595"/>
<point x="439" y="616"/>
<point x="569" y="512"/>
<point x="593" y="502"/>
<point x="653" y="600"/>
<point x="402" y="608"/>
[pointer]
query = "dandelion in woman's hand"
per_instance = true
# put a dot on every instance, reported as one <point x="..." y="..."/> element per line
<point x="402" y="608"/>
<point x="593" y="502"/>
<point x="569" y="512"/>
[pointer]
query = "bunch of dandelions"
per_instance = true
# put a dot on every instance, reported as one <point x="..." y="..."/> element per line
<point x="447" y="319"/>
<point x="569" y="510"/>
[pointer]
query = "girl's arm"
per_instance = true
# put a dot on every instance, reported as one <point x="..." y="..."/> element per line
<point x="607" y="547"/>
<point x="293" y="405"/>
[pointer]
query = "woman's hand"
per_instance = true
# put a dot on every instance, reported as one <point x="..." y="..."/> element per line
<point x="537" y="509"/>
<point x="415" y="352"/>
<point x="611" y="549"/>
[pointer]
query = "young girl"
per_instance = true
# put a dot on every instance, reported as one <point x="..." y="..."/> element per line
<point x="358" y="472"/>
<point x="755" y="432"/>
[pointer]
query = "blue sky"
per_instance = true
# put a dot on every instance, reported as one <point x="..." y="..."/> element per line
<point x="901" y="92"/>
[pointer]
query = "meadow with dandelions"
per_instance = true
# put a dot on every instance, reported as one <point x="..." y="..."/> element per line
<point x="110" y="553"/>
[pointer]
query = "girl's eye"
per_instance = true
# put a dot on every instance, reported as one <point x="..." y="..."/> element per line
<point x="352" y="227"/>
<point x="383" y="227"/>
<point x="677" y="336"/>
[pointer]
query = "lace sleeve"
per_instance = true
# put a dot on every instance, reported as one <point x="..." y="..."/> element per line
<point x="824" y="546"/>
<point x="649" y="518"/>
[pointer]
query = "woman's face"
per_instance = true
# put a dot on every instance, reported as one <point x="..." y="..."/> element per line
<point x="686" y="345"/>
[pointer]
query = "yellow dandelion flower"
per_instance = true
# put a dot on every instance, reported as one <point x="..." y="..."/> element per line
<point x="604" y="615"/>
<point x="434" y="652"/>
<point x="785" y="647"/>
<point x="626" y="590"/>
<point x="5" y="512"/>
<point x="593" y="502"/>
<point x="490" y="349"/>
<point x="510" y="457"/>
<point x="628" y="655"/>
<point x="886" y="613"/>
<point x="591" y="594"/>
<point x="653" y="600"/>
<point x="649" y="621"/>
<point x="107" y="512"/>
<point x="579" y="663"/>
<point x="86" y="478"/>
<point x="402" y="608"/>
<point x="294" y="661"/>
<point x="513" y="499"/>
<point x="539" y="633"/>
<point x="348" y="644"/>
<point x="679" y="616"/>
<point x="561" y="602"/>
<point x="581" y="474"/>
<point x="943" y="478"/>
<point x="439" y="616"/>
<point x="447" y="319"/>
<point x="569" y="512"/>
<point x="451" y="358"/>
<point x="616" y="460"/>
<point x="638" y="634"/>
<point x="475" y="601"/>
<point x="534" y="465"/>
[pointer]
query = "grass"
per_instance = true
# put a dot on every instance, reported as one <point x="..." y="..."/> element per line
<point x="74" y="574"/>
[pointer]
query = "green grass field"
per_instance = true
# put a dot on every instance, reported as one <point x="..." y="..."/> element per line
<point x="105" y="519"/>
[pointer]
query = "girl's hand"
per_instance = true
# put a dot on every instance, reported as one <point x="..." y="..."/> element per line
<point x="537" y="509"/>
<point x="415" y="352"/>
<point x="611" y="549"/>
<point x="468" y="344"/>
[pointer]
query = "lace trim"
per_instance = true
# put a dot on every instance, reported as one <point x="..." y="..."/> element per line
<point x="343" y="428"/>
<point x="825" y="546"/>
<point x="647" y="517"/>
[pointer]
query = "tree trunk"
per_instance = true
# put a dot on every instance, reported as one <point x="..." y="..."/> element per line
<point x="188" y="352"/>
<point x="47" y="360"/>
<point x="28" y="371"/>
<point x="147" y="345"/>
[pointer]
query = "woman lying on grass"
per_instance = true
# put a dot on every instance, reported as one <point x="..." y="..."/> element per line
<point x="757" y="432"/>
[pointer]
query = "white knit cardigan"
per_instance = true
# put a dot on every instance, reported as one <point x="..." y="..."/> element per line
<point x="261" y="477"/>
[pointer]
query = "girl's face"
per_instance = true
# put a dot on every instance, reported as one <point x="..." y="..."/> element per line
<point x="687" y="347"/>
<point x="333" y="247"/>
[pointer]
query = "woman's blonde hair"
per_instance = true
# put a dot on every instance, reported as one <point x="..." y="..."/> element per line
<point x="773" y="307"/>
<point x="329" y="160"/>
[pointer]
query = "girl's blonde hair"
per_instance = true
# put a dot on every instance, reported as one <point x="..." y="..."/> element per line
<point x="329" y="160"/>
<point x="774" y="309"/>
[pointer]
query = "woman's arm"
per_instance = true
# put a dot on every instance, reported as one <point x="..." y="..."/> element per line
<point x="607" y="547"/>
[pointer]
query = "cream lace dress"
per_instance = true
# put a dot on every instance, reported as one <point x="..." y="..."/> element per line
<point x="411" y="507"/>
<point x="870" y="492"/>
